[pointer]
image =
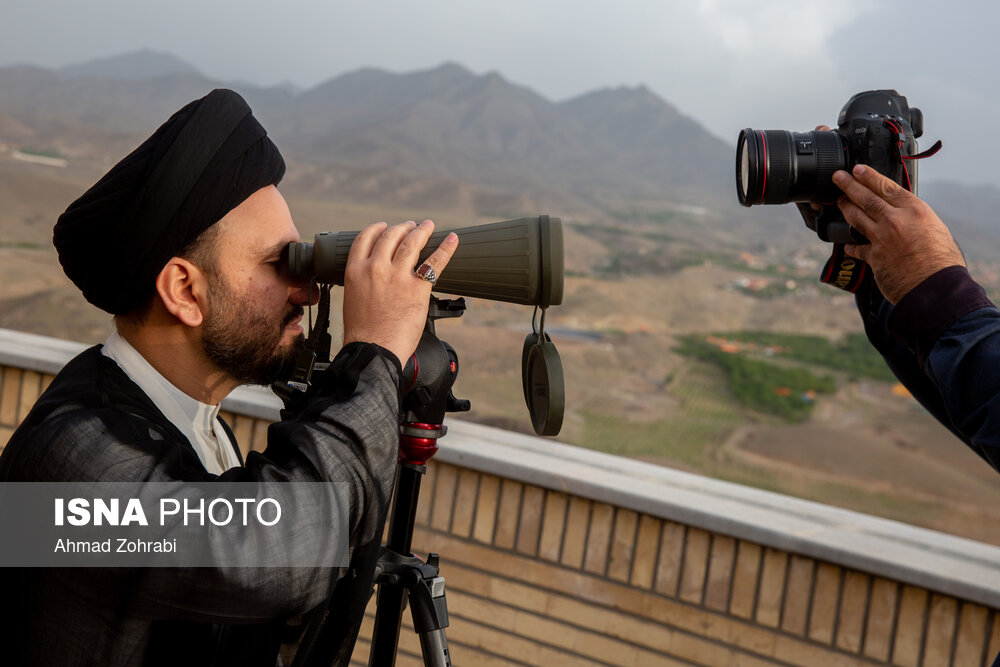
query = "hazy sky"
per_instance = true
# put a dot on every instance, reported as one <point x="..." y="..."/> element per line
<point x="769" y="64"/>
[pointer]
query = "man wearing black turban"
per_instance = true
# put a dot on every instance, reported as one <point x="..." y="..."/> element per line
<point x="182" y="242"/>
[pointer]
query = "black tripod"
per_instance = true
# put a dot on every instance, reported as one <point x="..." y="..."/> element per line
<point x="431" y="372"/>
<point x="433" y="369"/>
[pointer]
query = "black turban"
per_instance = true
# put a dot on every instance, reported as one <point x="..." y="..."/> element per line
<point x="199" y="165"/>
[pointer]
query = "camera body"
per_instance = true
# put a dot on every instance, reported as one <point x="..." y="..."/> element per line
<point x="877" y="128"/>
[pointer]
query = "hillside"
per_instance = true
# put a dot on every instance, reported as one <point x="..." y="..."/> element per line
<point x="143" y="64"/>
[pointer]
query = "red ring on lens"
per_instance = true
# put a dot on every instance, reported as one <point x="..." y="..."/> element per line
<point x="763" y="185"/>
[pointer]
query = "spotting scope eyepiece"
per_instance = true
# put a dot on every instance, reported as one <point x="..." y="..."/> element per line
<point x="517" y="261"/>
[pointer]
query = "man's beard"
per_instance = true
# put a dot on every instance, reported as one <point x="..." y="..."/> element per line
<point x="246" y="343"/>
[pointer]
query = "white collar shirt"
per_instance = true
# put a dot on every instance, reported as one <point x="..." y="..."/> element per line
<point x="198" y="421"/>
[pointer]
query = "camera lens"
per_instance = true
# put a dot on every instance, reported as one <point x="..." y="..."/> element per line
<point x="778" y="166"/>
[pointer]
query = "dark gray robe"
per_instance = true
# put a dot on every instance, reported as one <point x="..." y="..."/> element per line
<point x="94" y="424"/>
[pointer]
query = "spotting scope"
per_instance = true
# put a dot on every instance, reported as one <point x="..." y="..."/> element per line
<point x="517" y="261"/>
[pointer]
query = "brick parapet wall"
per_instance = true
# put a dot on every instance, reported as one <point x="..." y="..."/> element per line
<point x="538" y="576"/>
<point x="555" y="555"/>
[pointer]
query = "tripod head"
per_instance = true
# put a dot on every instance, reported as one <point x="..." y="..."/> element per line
<point x="431" y="370"/>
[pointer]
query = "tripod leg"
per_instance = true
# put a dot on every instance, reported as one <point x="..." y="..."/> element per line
<point x="434" y="647"/>
<point x="428" y="607"/>
<point x="392" y="567"/>
<point x="385" y="636"/>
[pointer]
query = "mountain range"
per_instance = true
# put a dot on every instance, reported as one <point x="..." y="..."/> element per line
<point x="445" y="123"/>
<point x="444" y="135"/>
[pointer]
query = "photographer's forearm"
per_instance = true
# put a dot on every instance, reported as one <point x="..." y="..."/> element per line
<point x="904" y="364"/>
<point x="953" y="331"/>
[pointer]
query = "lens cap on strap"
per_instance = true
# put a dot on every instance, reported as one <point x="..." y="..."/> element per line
<point x="530" y="341"/>
<point x="542" y="380"/>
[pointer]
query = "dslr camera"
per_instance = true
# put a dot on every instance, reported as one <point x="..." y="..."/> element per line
<point x="877" y="128"/>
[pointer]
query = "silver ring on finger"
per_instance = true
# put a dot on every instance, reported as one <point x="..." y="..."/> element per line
<point x="426" y="272"/>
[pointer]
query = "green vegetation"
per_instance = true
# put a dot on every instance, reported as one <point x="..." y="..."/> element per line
<point x="633" y="215"/>
<point x="23" y="245"/>
<point x="769" y="271"/>
<point x="728" y="261"/>
<point x="690" y="435"/>
<point x="624" y="265"/>
<point x="853" y="355"/>
<point x="774" y="290"/>
<point x="43" y="153"/>
<point x="761" y="385"/>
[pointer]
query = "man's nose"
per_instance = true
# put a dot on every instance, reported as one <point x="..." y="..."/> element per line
<point x="301" y="294"/>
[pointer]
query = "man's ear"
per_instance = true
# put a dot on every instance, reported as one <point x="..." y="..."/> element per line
<point x="183" y="288"/>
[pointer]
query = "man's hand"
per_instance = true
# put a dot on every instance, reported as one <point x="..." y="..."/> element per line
<point x="384" y="301"/>
<point x="909" y="243"/>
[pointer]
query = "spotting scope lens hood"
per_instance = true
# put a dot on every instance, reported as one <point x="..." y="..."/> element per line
<point x="517" y="261"/>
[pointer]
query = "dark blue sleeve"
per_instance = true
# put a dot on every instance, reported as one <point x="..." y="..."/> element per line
<point x="964" y="363"/>
<point x="942" y="341"/>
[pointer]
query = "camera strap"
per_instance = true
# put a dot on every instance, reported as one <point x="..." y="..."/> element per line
<point x="315" y="353"/>
<point x="845" y="272"/>
<point x="927" y="153"/>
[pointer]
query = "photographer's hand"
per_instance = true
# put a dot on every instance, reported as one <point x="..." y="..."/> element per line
<point x="384" y="301"/>
<point x="909" y="243"/>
